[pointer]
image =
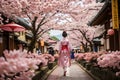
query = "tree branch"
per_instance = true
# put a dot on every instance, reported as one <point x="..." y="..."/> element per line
<point x="33" y="24"/>
<point x="44" y="31"/>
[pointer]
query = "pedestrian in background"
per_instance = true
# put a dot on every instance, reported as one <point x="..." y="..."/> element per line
<point x="72" y="54"/>
<point x="51" y="51"/>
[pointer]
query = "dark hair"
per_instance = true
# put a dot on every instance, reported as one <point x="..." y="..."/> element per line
<point x="64" y="34"/>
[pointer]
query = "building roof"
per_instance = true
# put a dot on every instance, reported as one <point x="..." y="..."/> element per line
<point x="100" y="0"/>
<point x="100" y="15"/>
<point x="22" y="22"/>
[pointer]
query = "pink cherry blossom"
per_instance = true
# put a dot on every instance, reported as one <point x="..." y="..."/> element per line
<point x="23" y="63"/>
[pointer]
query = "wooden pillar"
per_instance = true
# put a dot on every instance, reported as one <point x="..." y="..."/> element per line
<point x="119" y="39"/>
<point x="111" y="42"/>
<point x="11" y="42"/>
<point x="1" y="44"/>
<point x="116" y="40"/>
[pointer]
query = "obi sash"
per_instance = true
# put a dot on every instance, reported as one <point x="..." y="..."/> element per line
<point x="64" y="47"/>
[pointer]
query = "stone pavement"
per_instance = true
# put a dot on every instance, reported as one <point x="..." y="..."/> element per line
<point x="74" y="73"/>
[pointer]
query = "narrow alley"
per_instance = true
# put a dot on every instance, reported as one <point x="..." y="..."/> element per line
<point x="75" y="73"/>
<point x="40" y="39"/>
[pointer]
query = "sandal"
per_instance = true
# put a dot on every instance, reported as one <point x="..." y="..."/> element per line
<point x="65" y="73"/>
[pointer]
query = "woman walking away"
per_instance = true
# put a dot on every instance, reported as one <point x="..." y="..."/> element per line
<point x="64" y="59"/>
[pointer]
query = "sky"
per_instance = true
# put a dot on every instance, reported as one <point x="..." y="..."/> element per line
<point x="56" y="33"/>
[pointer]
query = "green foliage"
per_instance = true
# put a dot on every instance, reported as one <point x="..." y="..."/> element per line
<point x="54" y="38"/>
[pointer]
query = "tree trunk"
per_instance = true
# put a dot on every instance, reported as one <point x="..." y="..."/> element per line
<point x="91" y="46"/>
<point x="32" y="44"/>
<point x="84" y="47"/>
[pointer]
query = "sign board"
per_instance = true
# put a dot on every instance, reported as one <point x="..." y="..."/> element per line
<point x="115" y="19"/>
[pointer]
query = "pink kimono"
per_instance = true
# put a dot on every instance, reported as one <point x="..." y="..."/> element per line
<point x="64" y="53"/>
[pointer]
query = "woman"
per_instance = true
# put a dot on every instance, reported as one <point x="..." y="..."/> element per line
<point x="64" y="53"/>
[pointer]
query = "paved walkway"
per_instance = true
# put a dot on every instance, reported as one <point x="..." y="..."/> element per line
<point x="75" y="73"/>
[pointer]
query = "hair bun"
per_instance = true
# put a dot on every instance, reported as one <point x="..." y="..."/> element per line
<point x="64" y="34"/>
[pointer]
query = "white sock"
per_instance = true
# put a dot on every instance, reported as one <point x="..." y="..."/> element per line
<point x="68" y="71"/>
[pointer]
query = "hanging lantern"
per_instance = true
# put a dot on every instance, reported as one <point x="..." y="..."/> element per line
<point x="42" y="42"/>
<point x="110" y="31"/>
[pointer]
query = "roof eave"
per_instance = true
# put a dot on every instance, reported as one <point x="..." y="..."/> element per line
<point x="91" y="23"/>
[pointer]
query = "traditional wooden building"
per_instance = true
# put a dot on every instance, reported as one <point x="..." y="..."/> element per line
<point x="105" y="17"/>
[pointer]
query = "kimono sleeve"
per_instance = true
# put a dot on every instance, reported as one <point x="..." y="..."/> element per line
<point x="69" y="46"/>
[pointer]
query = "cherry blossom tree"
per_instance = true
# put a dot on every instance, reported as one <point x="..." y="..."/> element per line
<point x="84" y="36"/>
<point x="38" y="12"/>
<point x="44" y="15"/>
<point x="75" y="22"/>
